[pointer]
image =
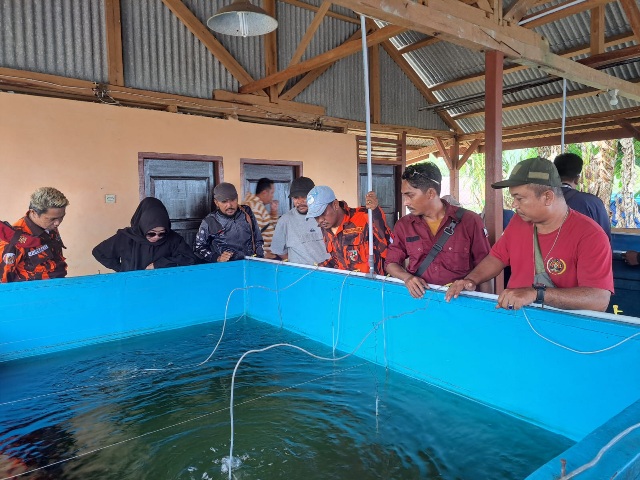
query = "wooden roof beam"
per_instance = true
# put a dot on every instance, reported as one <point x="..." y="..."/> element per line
<point x="597" y="30"/>
<point x="610" y="42"/>
<point x="313" y="8"/>
<point x="629" y="127"/>
<point x="560" y="11"/>
<point x="113" y="22"/>
<point x="519" y="9"/>
<point x="323" y="59"/>
<point x="203" y="34"/>
<point x="461" y="24"/>
<point x="306" y="39"/>
<point x="311" y="77"/>
<point x="632" y="12"/>
<point x="425" y="42"/>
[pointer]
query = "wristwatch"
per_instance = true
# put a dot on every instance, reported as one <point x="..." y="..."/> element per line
<point x="540" y="289"/>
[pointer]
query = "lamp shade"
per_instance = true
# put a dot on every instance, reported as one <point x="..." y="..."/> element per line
<point x="242" y="19"/>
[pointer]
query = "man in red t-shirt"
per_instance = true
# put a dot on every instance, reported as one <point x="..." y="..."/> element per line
<point x="428" y="224"/>
<point x="574" y="268"/>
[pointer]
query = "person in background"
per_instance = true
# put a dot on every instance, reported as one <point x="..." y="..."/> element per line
<point x="443" y="242"/>
<point x="231" y="232"/>
<point x="569" y="167"/>
<point x="147" y="244"/>
<point x="266" y="221"/>
<point x="26" y="260"/>
<point x="346" y="230"/>
<point x="295" y="239"/>
<point x="631" y="258"/>
<point x="558" y="257"/>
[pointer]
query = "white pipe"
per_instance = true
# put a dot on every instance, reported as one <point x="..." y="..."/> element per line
<point x="367" y="108"/>
<point x="549" y="12"/>
<point x="564" y="113"/>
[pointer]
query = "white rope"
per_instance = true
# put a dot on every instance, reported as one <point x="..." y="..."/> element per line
<point x="582" y="352"/>
<point x="602" y="451"/>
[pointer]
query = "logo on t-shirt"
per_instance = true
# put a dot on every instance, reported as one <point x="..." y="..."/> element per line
<point x="556" y="266"/>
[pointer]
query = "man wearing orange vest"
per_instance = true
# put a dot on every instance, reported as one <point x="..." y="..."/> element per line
<point x="32" y="249"/>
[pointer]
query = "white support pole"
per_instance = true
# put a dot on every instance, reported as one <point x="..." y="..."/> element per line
<point x="365" y="68"/>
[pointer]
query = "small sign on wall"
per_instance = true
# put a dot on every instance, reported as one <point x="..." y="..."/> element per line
<point x="110" y="198"/>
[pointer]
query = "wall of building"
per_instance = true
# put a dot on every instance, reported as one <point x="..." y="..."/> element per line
<point x="88" y="150"/>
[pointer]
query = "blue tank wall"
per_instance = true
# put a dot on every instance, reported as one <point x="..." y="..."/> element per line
<point x="467" y="346"/>
<point x="52" y="315"/>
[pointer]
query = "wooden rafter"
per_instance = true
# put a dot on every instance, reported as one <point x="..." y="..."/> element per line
<point x="444" y="151"/>
<point x="418" y="83"/>
<point x="375" y="85"/>
<point x="203" y="34"/>
<point x="114" y="42"/>
<point x="323" y="59"/>
<point x="629" y="127"/>
<point x="533" y="102"/>
<point x="632" y="12"/>
<point x="617" y="40"/>
<point x="468" y="152"/>
<point x="306" y="39"/>
<point x="425" y="42"/>
<point x="560" y="11"/>
<point x="271" y="50"/>
<point x="597" y="30"/>
<point x="519" y="10"/>
<point x="313" y="8"/>
<point x="311" y="77"/>
<point x="463" y="26"/>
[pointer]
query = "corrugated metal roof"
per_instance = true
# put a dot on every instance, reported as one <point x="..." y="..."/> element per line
<point x="340" y="90"/>
<point x="58" y="37"/>
<point x="67" y="38"/>
<point x="400" y="99"/>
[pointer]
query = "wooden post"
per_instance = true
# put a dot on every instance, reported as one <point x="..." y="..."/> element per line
<point x="454" y="172"/>
<point x="493" y="149"/>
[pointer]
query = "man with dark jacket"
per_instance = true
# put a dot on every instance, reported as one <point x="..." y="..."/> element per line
<point x="231" y="232"/>
<point x="569" y="167"/>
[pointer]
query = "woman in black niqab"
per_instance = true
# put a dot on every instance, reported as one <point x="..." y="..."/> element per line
<point x="143" y="245"/>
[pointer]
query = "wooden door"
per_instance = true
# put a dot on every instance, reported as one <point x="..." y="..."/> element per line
<point x="282" y="176"/>
<point x="384" y="184"/>
<point x="185" y="188"/>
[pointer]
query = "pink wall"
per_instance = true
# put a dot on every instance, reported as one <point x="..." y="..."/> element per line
<point x="87" y="150"/>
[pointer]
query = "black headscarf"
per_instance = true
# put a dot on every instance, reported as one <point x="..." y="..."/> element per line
<point x="129" y="248"/>
<point x="150" y="214"/>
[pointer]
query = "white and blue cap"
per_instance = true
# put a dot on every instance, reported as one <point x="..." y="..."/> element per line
<point x="318" y="199"/>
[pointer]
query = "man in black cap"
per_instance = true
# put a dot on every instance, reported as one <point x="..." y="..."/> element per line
<point x="558" y="256"/>
<point x="296" y="239"/>
<point x="231" y="232"/>
<point x="569" y="167"/>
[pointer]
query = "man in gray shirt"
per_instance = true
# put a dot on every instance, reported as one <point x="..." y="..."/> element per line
<point x="296" y="239"/>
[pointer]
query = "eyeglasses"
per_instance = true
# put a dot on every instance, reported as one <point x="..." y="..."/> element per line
<point x="415" y="173"/>
<point x="155" y="234"/>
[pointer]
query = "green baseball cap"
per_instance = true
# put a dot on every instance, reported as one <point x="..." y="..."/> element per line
<point x="532" y="170"/>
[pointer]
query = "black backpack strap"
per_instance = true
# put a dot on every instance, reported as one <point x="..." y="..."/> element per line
<point x="438" y="246"/>
<point x="250" y="222"/>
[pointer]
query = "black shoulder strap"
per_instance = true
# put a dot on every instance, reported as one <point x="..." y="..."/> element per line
<point x="437" y="247"/>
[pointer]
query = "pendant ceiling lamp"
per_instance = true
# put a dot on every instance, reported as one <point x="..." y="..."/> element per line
<point x="242" y="19"/>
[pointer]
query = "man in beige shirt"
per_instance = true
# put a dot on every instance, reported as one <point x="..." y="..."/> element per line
<point x="266" y="221"/>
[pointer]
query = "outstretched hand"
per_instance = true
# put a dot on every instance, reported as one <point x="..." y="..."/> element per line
<point x="416" y="286"/>
<point x="458" y="286"/>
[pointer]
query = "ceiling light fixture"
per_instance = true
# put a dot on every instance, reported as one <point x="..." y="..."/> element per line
<point x="613" y="97"/>
<point x="242" y="19"/>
